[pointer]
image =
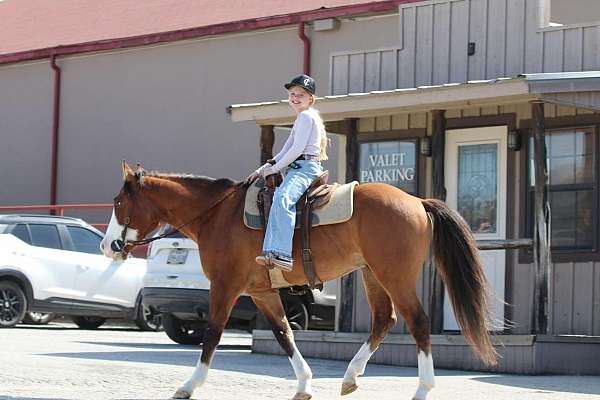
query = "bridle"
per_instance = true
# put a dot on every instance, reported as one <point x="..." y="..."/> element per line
<point x="120" y="245"/>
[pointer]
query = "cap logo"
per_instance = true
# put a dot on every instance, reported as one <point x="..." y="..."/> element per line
<point x="306" y="81"/>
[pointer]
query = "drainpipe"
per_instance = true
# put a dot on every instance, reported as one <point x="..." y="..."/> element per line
<point x="55" y="126"/>
<point x="306" y="41"/>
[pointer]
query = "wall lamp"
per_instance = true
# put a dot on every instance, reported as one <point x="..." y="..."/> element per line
<point x="514" y="140"/>
<point x="425" y="146"/>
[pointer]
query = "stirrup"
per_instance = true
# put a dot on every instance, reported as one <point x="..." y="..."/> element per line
<point x="282" y="264"/>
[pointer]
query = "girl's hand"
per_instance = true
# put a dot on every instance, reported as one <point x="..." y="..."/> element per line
<point x="252" y="177"/>
<point x="266" y="171"/>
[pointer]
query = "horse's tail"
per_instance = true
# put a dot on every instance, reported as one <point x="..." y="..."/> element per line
<point x="457" y="259"/>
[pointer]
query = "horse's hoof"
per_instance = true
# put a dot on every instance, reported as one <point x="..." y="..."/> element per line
<point x="182" y="394"/>
<point x="302" y="396"/>
<point x="348" y="387"/>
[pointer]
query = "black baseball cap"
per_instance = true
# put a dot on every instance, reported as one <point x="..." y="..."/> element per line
<point x="304" y="81"/>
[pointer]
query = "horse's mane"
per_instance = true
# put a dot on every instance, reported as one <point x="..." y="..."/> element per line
<point x="191" y="179"/>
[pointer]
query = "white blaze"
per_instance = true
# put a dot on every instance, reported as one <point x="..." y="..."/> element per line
<point x="113" y="232"/>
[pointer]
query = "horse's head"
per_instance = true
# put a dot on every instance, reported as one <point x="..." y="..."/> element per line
<point x="133" y="217"/>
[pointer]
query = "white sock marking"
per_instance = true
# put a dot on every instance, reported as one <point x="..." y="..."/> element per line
<point x="302" y="371"/>
<point x="426" y="376"/>
<point x="358" y="364"/>
<point x="198" y="377"/>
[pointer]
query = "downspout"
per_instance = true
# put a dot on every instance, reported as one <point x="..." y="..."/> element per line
<point x="55" y="129"/>
<point x="306" y="41"/>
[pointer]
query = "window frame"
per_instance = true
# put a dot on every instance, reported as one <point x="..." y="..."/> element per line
<point x="403" y="135"/>
<point x="527" y="228"/>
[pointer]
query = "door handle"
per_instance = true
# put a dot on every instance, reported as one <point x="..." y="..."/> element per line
<point x="83" y="267"/>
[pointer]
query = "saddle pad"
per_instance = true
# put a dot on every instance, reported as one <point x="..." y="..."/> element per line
<point x="338" y="210"/>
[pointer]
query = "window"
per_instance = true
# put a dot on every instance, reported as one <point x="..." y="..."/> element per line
<point x="85" y="240"/>
<point x="392" y="162"/>
<point x="478" y="186"/>
<point x="44" y="236"/>
<point x="20" y="231"/>
<point x="571" y="161"/>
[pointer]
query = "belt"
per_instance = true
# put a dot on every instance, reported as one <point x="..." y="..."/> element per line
<point x="308" y="157"/>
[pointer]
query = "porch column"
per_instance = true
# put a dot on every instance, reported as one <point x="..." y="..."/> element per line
<point x="347" y="283"/>
<point x="267" y="139"/>
<point x="542" y="299"/>
<point x="438" y="146"/>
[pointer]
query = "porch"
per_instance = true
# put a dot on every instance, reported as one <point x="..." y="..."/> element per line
<point x="552" y="306"/>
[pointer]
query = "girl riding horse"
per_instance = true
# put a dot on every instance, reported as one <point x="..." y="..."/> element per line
<point x="301" y="158"/>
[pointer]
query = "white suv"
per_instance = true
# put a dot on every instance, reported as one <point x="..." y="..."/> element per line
<point x="175" y="286"/>
<point x="53" y="264"/>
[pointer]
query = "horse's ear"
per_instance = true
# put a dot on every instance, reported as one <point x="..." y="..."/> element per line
<point x="127" y="171"/>
<point x="140" y="172"/>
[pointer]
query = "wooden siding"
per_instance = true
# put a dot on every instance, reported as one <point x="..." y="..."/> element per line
<point x="520" y="354"/>
<point x="576" y="308"/>
<point x="434" y="38"/>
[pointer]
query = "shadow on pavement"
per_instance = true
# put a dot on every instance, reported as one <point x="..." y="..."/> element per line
<point x="29" y="398"/>
<point x="241" y="361"/>
<point x="168" y="346"/>
<point x="554" y="383"/>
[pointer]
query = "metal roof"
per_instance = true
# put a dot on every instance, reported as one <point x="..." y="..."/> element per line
<point x="521" y="88"/>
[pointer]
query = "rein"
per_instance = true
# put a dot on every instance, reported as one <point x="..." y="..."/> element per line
<point x="119" y="245"/>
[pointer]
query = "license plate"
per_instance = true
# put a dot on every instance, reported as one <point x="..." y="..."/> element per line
<point x="177" y="256"/>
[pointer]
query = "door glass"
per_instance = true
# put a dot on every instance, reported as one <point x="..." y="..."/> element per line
<point x="477" y="186"/>
<point x="44" y="236"/>
<point x="84" y="240"/>
<point x="20" y="231"/>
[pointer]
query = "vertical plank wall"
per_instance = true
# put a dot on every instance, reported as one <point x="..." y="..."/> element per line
<point x="576" y="285"/>
<point x="434" y="39"/>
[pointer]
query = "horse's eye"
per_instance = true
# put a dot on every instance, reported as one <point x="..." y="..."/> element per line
<point x="118" y="203"/>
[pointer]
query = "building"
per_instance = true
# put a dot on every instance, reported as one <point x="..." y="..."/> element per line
<point x="84" y="85"/>
<point x="452" y="113"/>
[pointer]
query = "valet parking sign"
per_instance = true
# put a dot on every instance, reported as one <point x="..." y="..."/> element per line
<point x="389" y="162"/>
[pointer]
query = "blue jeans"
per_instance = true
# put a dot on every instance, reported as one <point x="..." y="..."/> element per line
<point x="282" y="217"/>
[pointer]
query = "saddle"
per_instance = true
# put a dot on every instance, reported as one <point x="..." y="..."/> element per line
<point x="316" y="196"/>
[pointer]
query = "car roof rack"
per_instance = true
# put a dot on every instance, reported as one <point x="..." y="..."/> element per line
<point x="38" y="217"/>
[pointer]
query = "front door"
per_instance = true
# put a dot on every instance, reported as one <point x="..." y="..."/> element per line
<point x="475" y="178"/>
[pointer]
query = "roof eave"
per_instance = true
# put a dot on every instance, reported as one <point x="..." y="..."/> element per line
<point x="394" y="101"/>
<point x="192" y="33"/>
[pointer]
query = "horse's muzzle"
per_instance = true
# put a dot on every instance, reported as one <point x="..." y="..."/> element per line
<point x="117" y="245"/>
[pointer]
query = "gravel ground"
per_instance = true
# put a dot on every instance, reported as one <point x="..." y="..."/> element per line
<point x="60" y="361"/>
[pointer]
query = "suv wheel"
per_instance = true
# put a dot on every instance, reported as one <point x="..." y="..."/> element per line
<point x="184" y="332"/>
<point x="36" y="318"/>
<point x="13" y="304"/>
<point x="147" y="320"/>
<point x="296" y="312"/>
<point x="89" y="322"/>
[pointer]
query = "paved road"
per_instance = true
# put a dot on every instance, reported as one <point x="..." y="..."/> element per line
<point x="63" y="362"/>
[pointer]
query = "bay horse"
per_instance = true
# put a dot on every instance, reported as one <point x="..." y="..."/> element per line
<point x="387" y="239"/>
